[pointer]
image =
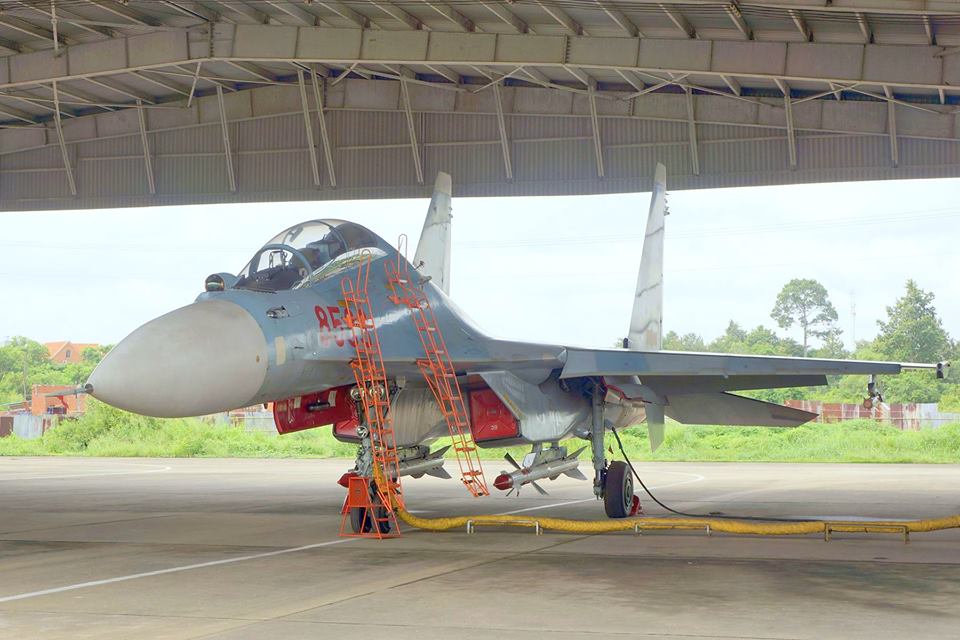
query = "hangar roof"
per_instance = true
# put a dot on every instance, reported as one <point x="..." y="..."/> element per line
<point x="107" y="103"/>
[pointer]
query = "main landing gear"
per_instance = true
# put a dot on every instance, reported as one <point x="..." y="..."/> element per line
<point x="612" y="482"/>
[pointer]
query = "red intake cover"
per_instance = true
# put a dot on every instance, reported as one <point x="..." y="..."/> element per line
<point x="490" y="418"/>
<point x="332" y="406"/>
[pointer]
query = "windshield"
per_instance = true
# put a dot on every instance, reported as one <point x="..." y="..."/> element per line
<point x="302" y="250"/>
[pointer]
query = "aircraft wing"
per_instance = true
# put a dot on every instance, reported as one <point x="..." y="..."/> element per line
<point x="654" y="364"/>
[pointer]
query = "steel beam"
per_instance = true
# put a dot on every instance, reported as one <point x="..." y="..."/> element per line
<point x="148" y="76"/>
<point x="125" y="11"/>
<point x="865" y="29"/>
<point x="68" y="17"/>
<point x="63" y="144"/>
<point x="228" y="155"/>
<point x="442" y="71"/>
<point x="928" y="30"/>
<point x="679" y="20"/>
<point x="395" y="12"/>
<point x="732" y="84"/>
<point x="561" y="16"/>
<point x="117" y="87"/>
<point x="791" y="134"/>
<point x="411" y="129"/>
<point x="322" y="122"/>
<point x="147" y="159"/>
<point x="736" y="16"/>
<point x="507" y="16"/>
<point x="502" y="126"/>
<point x="254" y="70"/>
<point x="801" y="24"/>
<point x="595" y="126"/>
<point x="302" y="16"/>
<point x="29" y="28"/>
<point x="632" y="80"/>
<point x="620" y="19"/>
<point x="892" y="127"/>
<point x="692" y="134"/>
<point x="308" y="128"/>
<point x="16" y="114"/>
<point x="193" y="9"/>
<point x="451" y="14"/>
<point x="345" y="12"/>
<point x="238" y="7"/>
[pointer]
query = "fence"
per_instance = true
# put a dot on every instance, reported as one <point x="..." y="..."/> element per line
<point x="906" y="417"/>
<point x="26" y="426"/>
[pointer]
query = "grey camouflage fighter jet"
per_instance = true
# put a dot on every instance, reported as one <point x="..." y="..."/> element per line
<point x="276" y="333"/>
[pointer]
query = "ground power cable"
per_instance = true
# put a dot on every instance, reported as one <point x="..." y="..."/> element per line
<point x="695" y="515"/>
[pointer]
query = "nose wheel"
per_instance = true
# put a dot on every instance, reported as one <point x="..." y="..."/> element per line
<point x="619" y="500"/>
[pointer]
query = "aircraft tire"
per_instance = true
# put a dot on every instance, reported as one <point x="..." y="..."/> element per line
<point x="360" y="521"/>
<point x="618" y="490"/>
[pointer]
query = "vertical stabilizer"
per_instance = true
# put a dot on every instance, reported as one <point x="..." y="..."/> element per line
<point x="433" y="251"/>
<point x="646" y="324"/>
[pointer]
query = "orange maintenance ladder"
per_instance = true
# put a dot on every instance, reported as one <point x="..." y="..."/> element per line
<point x="377" y="520"/>
<point x="437" y="370"/>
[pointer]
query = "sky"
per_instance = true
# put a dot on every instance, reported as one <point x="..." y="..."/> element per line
<point x="548" y="269"/>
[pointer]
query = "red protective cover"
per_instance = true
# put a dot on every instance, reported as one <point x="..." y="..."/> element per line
<point x="332" y="406"/>
<point x="490" y="418"/>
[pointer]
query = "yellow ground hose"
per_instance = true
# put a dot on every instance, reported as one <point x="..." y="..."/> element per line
<point x="724" y="525"/>
<point x="716" y="524"/>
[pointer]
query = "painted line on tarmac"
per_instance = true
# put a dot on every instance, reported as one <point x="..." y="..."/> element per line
<point x="160" y="572"/>
<point x="155" y="469"/>
<point x="696" y="478"/>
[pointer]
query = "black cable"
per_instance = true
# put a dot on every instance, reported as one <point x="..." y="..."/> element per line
<point x="682" y="513"/>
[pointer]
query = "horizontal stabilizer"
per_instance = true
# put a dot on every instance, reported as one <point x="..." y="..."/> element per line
<point x="728" y="409"/>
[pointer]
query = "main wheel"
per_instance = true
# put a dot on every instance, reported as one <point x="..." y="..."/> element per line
<point x="618" y="490"/>
<point x="361" y="522"/>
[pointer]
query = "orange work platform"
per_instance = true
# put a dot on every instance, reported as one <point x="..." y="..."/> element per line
<point x="374" y="390"/>
<point x="438" y="371"/>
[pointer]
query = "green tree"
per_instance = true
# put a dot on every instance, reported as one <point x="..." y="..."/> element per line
<point x="687" y="342"/>
<point x="805" y="302"/>
<point x="912" y="331"/>
<point x="832" y="346"/>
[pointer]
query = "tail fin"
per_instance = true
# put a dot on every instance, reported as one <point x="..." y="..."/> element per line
<point x="646" y="324"/>
<point x="433" y="251"/>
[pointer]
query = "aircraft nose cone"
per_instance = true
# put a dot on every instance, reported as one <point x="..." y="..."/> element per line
<point x="204" y="358"/>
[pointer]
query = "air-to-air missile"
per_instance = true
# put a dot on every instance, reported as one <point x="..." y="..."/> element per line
<point x="546" y="463"/>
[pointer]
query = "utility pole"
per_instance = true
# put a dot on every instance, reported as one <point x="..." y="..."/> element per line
<point x="25" y="376"/>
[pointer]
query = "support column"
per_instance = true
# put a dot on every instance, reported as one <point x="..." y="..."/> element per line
<point x="411" y="128"/>
<point x="791" y="133"/>
<point x="231" y="177"/>
<point x="147" y="159"/>
<point x="308" y="128"/>
<point x="692" y="134"/>
<point x="502" y="125"/>
<point x="322" y="121"/>
<point x="63" y="143"/>
<point x="595" y="121"/>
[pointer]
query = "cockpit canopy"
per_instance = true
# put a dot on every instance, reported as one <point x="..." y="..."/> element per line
<point x="301" y="252"/>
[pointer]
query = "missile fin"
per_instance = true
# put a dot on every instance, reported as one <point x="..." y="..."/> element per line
<point x="539" y="489"/>
<point x="576" y="473"/>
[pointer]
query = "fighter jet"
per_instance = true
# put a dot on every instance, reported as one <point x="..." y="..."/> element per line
<point x="276" y="332"/>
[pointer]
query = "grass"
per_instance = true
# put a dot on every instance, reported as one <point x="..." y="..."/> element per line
<point x="105" y="431"/>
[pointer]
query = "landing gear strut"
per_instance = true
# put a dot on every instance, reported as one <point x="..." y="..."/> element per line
<point x="614" y="481"/>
